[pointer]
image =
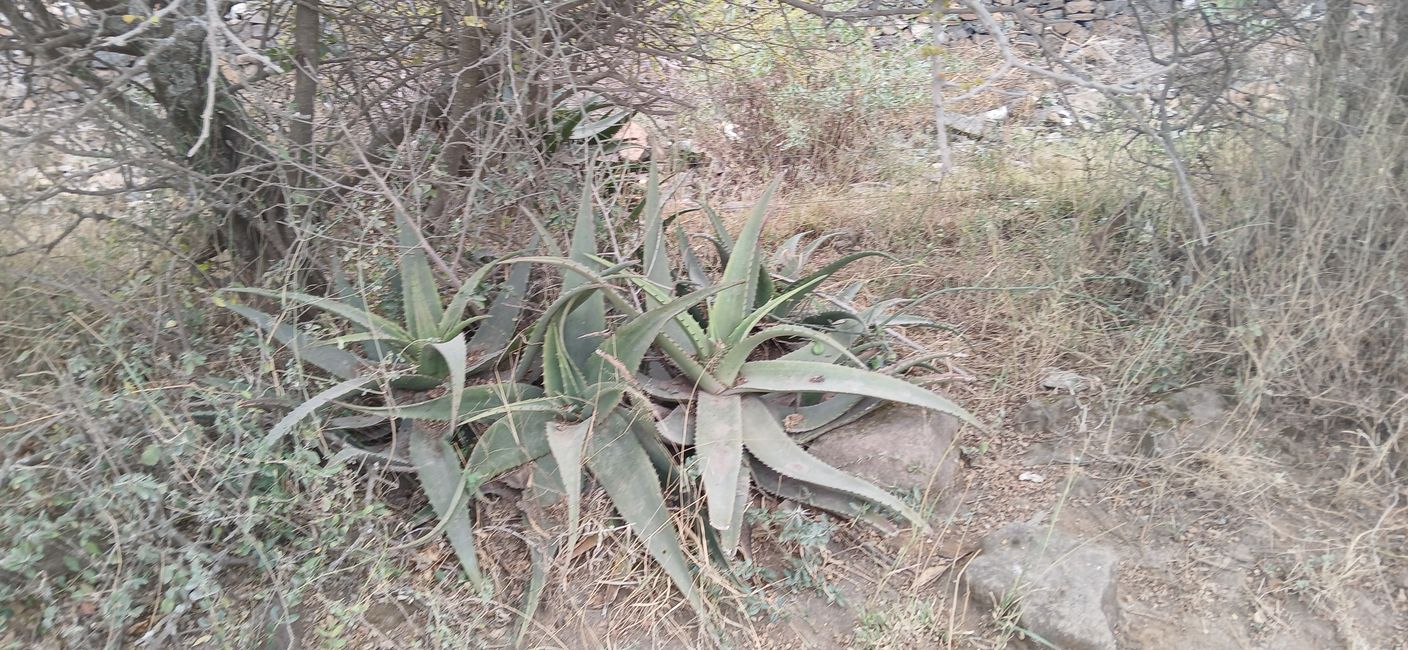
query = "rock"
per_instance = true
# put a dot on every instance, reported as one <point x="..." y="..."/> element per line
<point x="1087" y="103"/>
<point x="973" y="127"/>
<point x="1080" y="7"/>
<point x="1200" y="404"/>
<point x="1067" y="381"/>
<point x="1064" y="589"/>
<point x="897" y="447"/>
<point x="1049" y="454"/>
<point x="1186" y="420"/>
<point x="1046" y="415"/>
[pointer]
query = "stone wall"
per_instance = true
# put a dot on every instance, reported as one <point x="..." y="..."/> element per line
<point x="1073" y="19"/>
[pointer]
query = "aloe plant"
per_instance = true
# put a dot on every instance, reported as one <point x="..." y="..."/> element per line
<point x="752" y="428"/>
<point x="429" y="350"/>
<point x="602" y="423"/>
<point x="769" y="377"/>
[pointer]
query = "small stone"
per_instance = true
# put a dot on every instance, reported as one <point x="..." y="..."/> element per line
<point x="1080" y="7"/>
<point x="1067" y="381"/>
<point x="1063" y="27"/>
<point x="1031" y="477"/>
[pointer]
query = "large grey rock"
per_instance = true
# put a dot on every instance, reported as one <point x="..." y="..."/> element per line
<point x="900" y="447"/>
<point x="1063" y="590"/>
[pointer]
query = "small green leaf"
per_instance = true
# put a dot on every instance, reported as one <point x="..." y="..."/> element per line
<point x="151" y="454"/>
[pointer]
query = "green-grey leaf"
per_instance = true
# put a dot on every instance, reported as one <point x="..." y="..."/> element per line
<point x="491" y="339"/>
<point x="362" y="318"/>
<point x="722" y="239"/>
<point x="682" y="329"/>
<point x="630" y="343"/>
<point x="656" y="261"/>
<point x="825" y="272"/>
<point x="821" y="414"/>
<point x="616" y="459"/>
<point x="733" y="360"/>
<point x="833" y="501"/>
<point x="718" y="442"/>
<point x="516" y="439"/>
<point x="419" y="296"/>
<point x="453" y="353"/>
<point x="582" y="330"/>
<point x="443" y="481"/>
<point x="566" y="442"/>
<point x="314" y="403"/>
<point x="454" y="312"/>
<point x="757" y="315"/>
<point x="693" y="267"/>
<point x="678" y="426"/>
<point x="585" y="130"/>
<point x="340" y="363"/>
<point x="808" y="377"/>
<point x="766" y="441"/>
<point x="731" y="307"/>
<point x="472" y="400"/>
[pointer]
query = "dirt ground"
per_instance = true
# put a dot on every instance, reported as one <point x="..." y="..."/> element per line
<point x="1228" y="537"/>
